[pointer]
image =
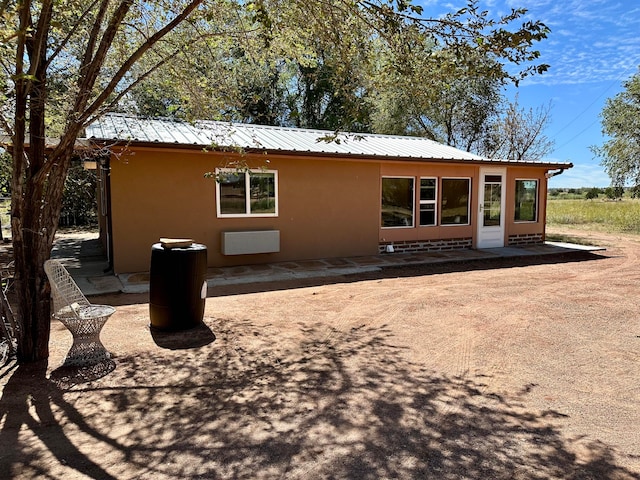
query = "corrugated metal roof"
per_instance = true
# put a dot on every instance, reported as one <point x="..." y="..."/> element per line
<point x="117" y="127"/>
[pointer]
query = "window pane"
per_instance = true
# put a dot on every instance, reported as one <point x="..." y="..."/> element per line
<point x="428" y="214"/>
<point x="397" y="202"/>
<point x="492" y="204"/>
<point x="427" y="189"/>
<point x="263" y="193"/>
<point x="526" y="200"/>
<point x="455" y="201"/>
<point x="233" y="194"/>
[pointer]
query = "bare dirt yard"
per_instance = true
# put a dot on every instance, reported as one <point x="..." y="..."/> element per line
<point x="509" y="369"/>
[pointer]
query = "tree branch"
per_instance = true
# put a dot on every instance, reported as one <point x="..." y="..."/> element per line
<point x="136" y="82"/>
<point x="95" y="31"/>
<point x="126" y="66"/>
<point x="72" y="32"/>
<point x="93" y="63"/>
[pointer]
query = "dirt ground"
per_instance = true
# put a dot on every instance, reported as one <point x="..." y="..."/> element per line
<point x="509" y="369"/>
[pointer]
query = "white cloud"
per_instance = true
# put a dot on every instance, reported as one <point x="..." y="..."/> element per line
<point x="590" y="40"/>
<point x="581" y="175"/>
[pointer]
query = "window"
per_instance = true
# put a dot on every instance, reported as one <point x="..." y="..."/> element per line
<point x="397" y="202"/>
<point x="455" y="197"/>
<point x="526" y="201"/>
<point x="428" y="195"/>
<point x="251" y="193"/>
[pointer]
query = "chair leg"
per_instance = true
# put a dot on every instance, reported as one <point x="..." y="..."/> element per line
<point x="85" y="352"/>
<point x="87" y="349"/>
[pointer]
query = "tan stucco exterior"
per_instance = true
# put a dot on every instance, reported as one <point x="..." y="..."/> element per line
<point x="525" y="228"/>
<point x="328" y="207"/>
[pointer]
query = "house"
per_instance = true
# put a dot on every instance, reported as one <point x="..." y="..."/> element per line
<point x="304" y="194"/>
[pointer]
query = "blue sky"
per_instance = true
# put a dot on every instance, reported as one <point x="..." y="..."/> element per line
<point x="593" y="47"/>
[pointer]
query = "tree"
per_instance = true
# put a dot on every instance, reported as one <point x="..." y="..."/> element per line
<point x="440" y="95"/>
<point x="592" y="193"/>
<point x="67" y="62"/>
<point x="519" y="134"/>
<point x="620" y="119"/>
<point x="327" y="65"/>
<point x="614" y="193"/>
<point x="79" y="203"/>
<point x="94" y="46"/>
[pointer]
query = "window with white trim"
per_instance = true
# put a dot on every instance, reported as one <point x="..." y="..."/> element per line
<point x="526" y="201"/>
<point x="397" y="202"/>
<point x="252" y="193"/>
<point x="455" y="196"/>
<point x="428" y="201"/>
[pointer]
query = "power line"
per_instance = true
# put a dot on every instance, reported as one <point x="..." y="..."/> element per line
<point x="618" y="81"/>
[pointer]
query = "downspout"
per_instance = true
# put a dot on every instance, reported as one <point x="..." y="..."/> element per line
<point x="549" y="175"/>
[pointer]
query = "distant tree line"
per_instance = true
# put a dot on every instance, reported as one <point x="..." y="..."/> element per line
<point x="592" y="193"/>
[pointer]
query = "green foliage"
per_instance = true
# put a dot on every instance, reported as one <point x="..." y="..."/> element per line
<point x="5" y="174"/>
<point x="66" y="62"/>
<point x="79" y="204"/>
<point x="576" y="193"/>
<point x="357" y="66"/>
<point x="592" y="193"/>
<point x="614" y="193"/>
<point x="620" y="119"/>
<point x="620" y="216"/>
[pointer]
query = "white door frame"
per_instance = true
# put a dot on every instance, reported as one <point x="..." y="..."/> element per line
<point x="491" y="236"/>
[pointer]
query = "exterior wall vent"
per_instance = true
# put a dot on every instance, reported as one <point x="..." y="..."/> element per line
<point x="250" y="242"/>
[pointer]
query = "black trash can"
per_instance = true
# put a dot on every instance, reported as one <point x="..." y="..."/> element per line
<point x="177" y="286"/>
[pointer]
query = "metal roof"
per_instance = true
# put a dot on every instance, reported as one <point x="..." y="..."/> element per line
<point x="118" y="127"/>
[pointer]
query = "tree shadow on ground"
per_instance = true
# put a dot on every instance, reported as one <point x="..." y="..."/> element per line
<point x="28" y="402"/>
<point x="316" y="402"/>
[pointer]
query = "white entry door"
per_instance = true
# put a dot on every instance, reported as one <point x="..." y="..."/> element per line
<point x="491" y="204"/>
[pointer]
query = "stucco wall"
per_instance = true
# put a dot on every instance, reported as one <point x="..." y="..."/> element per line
<point x="327" y="207"/>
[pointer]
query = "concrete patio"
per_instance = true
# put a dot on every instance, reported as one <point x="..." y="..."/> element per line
<point x="82" y="254"/>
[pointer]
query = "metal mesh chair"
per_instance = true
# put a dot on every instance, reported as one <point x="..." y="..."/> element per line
<point x="84" y="320"/>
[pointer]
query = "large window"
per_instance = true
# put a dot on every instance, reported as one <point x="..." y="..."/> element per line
<point x="397" y="202"/>
<point x="526" y="201"/>
<point x="455" y="196"/>
<point x="428" y="195"/>
<point x="251" y="193"/>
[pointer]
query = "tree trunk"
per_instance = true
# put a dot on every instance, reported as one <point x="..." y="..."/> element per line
<point x="32" y="290"/>
<point x="35" y="217"/>
<point x="33" y="192"/>
<point x="39" y="174"/>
